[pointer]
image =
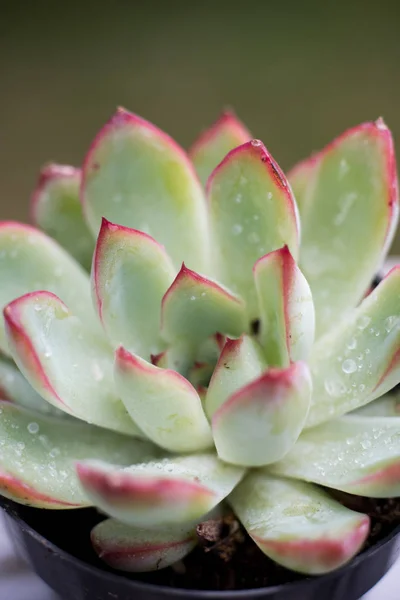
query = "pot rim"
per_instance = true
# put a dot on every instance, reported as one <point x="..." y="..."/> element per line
<point x="174" y="592"/>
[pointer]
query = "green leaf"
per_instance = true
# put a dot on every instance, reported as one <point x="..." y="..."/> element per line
<point x="348" y="201"/>
<point x="56" y="209"/>
<point x="64" y="361"/>
<point x="130" y="275"/>
<point x="194" y="308"/>
<point x="171" y="491"/>
<point x="136" y="549"/>
<point x="215" y="143"/>
<point x="38" y="454"/>
<point x="30" y="261"/>
<point x="252" y="211"/>
<point x="287" y="319"/>
<point x="355" y="454"/>
<point x="15" y="388"/>
<point x="240" y="362"/>
<point x="137" y="176"/>
<point x="261" y="422"/>
<point x="164" y="404"/>
<point x="387" y="406"/>
<point x="298" y="525"/>
<point x="358" y="361"/>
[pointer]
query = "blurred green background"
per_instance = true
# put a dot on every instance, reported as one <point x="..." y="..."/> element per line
<point x="297" y="73"/>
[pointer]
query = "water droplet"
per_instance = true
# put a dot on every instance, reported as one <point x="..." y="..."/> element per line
<point x="352" y="344"/>
<point x="54" y="452"/>
<point x="253" y="238"/>
<point x="391" y="322"/>
<point x="256" y="217"/>
<point x="366" y="444"/>
<point x="334" y="387"/>
<point x="377" y="334"/>
<point x="380" y="123"/>
<point x="361" y="387"/>
<point x="203" y="294"/>
<point x="193" y="298"/>
<point x="256" y="143"/>
<point x="237" y="229"/>
<point x="269" y="195"/>
<point x="238" y="199"/>
<point x="363" y="322"/>
<point x="33" y="428"/>
<point x="343" y="168"/>
<point x="367" y="351"/>
<point x="97" y="372"/>
<point x="47" y="354"/>
<point x="349" y="366"/>
<point x="20" y="446"/>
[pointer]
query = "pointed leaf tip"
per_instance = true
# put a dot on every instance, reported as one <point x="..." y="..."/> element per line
<point x="56" y="209"/>
<point x="37" y="456"/>
<point x="172" y="490"/>
<point x="136" y="175"/>
<point x="135" y="549"/>
<point x="30" y="261"/>
<point x="287" y="319"/>
<point x="252" y="212"/>
<point x="356" y="454"/>
<point x="164" y="404"/>
<point x="297" y="524"/>
<point x="273" y="407"/>
<point x="129" y="318"/>
<point x="241" y="361"/>
<point x="64" y="361"/>
<point x="215" y="143"/>
<point x="196" y="307"/>
<point x="348" y="192"/>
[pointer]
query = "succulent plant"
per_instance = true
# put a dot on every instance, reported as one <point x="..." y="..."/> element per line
<point x="218" y="358"/>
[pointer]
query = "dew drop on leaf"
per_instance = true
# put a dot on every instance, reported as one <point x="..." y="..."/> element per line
<point x="349" y="366"/>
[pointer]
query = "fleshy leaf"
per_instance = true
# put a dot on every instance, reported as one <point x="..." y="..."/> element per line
<point x="298" y="525"/>
<point x="252" y="211"/>
<point x="15" y="388"/>
<point x="174" y="490"/>
<point x="351" y="196"/>
<point x="56" y="209"/>
<point x="240" y="362"/>
<point x="164" y="404"/>
<point x="30" y="261"/>
<point x="38" y="454"/>
<point x="130" y="275"/>
<point x="136" y="175"/>
<point x="195" y="307"/>
<point x="214" y="144"/>
<point x="355" y="454"/>
<point x="358" y="361"/>
<point x="387" y="406"/>
<point x="137" y="550"/>
<point x="261" y="422"/>
<point x="67" y="364"/>
<point x="287" y="319"/>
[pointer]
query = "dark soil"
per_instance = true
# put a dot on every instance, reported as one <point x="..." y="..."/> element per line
<point x="225" y="559"/>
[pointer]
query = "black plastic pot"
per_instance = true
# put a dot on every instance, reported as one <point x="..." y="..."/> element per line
<point x="74" y="579"/>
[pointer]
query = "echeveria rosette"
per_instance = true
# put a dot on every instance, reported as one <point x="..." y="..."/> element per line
<point x="188" y="356"/>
